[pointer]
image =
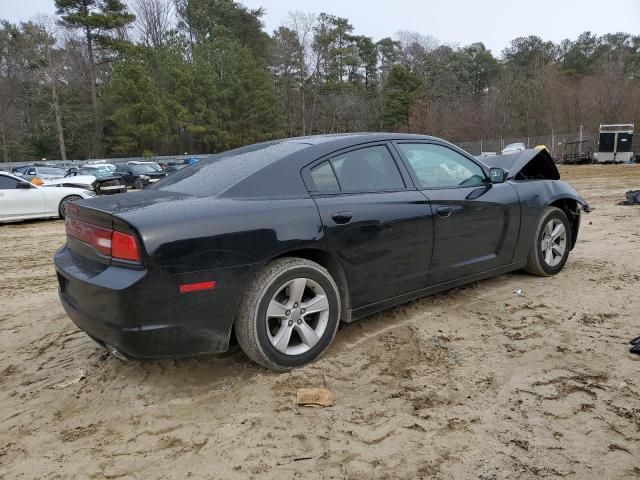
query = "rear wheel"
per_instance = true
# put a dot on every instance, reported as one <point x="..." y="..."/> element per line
<point x="550" y="249"/>
<point x="289" y="314"/>
<point x="64" y="203"/>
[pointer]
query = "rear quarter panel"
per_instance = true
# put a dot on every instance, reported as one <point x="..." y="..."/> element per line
<point x="199" y="234"/>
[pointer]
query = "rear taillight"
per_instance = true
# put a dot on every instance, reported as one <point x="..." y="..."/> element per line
<point x="124" y="247"/>
<point x="106" y="241"/>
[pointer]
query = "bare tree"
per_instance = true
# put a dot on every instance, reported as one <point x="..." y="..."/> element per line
<point x="302" y="24"/>
<point x="154" y="20"/>
<point x="54" y="66"/>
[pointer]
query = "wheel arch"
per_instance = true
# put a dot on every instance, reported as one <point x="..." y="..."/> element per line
<point x="60" y="203"/>
<point x="571" y="209"/>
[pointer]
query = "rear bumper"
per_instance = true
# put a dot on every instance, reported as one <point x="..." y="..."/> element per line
<point x="141" y="313"/>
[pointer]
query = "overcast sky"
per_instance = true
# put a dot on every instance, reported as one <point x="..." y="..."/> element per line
<point x="494" y="22"/>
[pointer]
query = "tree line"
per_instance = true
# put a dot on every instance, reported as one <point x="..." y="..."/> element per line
<point x="163" y="77"/>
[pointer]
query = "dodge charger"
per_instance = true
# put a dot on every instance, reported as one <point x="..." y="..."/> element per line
<point x="277" y="243"/>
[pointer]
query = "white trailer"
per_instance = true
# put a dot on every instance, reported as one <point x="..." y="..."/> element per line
<point x="615" y="143"/>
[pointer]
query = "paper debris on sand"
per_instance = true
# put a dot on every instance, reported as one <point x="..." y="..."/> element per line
<point x="315" y="397"/>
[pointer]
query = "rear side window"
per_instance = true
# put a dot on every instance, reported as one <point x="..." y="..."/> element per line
<point x="367" y="169"/>
<point x="324" y="180"/>
<point x="7" y="183"/>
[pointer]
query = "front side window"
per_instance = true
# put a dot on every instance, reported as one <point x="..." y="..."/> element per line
<point x="7" y="183"/>
<point x="436" y="166"/>
<point x="367" y="169"/>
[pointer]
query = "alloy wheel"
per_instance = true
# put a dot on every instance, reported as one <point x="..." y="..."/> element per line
<point x="554" y="242"/>
<point x="297" y="316"/>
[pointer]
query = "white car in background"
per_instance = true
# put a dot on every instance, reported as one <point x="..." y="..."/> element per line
<point x="21" y="200"/>
<point x="513" y="148"/>
<point x="97" y="178"/>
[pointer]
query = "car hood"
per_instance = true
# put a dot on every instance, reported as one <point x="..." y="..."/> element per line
<point x="56" y="191"/>
<point x="531" y="164"/>
<point x="78" y="179"/>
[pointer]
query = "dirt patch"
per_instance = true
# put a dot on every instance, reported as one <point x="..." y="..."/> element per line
<point x="474" y="383"/>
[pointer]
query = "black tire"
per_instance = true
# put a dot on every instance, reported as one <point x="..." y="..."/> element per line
<point x="251" y="322"/>
<point x="62" y="208"/>
<point x="137" y="184"/>
<point x="536" y="263"/>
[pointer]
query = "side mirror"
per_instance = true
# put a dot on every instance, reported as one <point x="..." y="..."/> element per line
<point x="23" y="185"/>
<point x="497" y="175"/>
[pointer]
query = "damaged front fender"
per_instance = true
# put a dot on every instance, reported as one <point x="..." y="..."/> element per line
<point x="537" y="164"/>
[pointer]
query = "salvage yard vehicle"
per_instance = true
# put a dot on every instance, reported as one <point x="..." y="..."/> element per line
<point x="278" y="242"/>
<point x="21" y="200"/>
<point x="99" y="178"/>
<point x="29" y="172"/>
<point x="140" y="174"/>
<point x="513" y="148"/>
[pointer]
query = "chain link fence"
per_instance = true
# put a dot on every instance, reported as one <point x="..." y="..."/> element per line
<point x="559" y="145"/>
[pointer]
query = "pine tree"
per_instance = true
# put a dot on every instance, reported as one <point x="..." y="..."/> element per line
<point x="96" y="19"/>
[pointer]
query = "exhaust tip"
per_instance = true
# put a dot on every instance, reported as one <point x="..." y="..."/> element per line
<point x="117" y="353"/>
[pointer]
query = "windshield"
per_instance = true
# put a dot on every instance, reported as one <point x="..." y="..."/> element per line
<point x="142" y="168"/>
<point x="220" y="172"/>
<point x="98" y="172"/>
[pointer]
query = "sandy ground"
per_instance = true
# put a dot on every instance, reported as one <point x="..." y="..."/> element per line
<point x="474" y="383"/>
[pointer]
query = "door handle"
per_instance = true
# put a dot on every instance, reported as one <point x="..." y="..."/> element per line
<point x="444" y="212"/>
<point x="342" y="218"/>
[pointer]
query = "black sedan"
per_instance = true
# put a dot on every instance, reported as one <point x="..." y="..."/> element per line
<point x="140" y="174"/>
<point x="279" y="242"/>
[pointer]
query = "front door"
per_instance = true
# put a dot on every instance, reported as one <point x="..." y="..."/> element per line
<point x="379" y="229"/>
<point x="19" y="202"/>
<point x="476" y="223"/>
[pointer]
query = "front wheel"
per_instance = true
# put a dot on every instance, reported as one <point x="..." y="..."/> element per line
<point x="138" y="184"/>
<point x="62" y="209"/>
<point x="289" y="314"/>
<point x="551" y="245"/>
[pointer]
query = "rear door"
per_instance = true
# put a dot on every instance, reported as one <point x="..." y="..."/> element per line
<point x="476" y="223"/>
<point x="19" y="202"/>
<point x="377" y="225"/>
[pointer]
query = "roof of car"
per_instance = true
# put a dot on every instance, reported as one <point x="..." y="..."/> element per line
<point x="359" y="137"/>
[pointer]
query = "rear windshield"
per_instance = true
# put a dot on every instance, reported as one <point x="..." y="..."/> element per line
<point x="218" y="173"/>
